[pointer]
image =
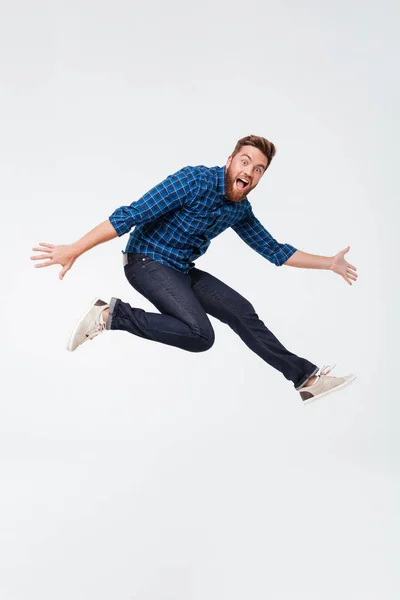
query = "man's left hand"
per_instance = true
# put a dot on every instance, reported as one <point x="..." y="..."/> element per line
<point x="343" y="268"/>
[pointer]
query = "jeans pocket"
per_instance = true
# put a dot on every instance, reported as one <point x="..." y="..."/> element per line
<point x="141" y="271"/>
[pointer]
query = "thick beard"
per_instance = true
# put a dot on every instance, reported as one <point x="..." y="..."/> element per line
<point x="231" y="192"/>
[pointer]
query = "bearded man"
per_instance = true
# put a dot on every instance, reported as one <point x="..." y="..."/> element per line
<point x="173" y="225"/>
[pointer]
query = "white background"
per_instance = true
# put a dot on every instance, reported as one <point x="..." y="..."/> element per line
<point x="133" y="470"/>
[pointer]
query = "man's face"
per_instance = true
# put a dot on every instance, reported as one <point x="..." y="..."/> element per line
<point x="247" y="166"/>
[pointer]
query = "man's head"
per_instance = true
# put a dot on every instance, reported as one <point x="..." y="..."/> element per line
<point x="246" y="165"/>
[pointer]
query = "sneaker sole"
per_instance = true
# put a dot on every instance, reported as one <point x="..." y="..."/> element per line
<point x="339" y="387"/>
<point x="75" y="329"/>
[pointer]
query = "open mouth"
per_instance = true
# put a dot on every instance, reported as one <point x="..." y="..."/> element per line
<point x="242" y="184"/>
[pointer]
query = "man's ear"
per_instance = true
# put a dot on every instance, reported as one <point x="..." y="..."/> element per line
<point x="228" y="162"/>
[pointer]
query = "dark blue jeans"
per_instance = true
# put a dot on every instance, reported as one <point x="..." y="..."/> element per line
<point x="184" y="301"/>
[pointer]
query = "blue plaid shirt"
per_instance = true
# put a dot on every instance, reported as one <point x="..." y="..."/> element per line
<point x="176" y="220"/>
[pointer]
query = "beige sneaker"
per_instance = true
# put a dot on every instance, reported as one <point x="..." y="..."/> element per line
<point x="89" y="325"/>
<point x="324" y="384"/>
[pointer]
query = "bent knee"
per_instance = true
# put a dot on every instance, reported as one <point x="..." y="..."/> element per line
<point x="203" y="341"/>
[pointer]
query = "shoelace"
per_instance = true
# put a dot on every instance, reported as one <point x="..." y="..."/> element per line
<point x="325" y="369"/>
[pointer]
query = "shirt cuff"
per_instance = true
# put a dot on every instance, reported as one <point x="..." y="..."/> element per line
<point x="120" y="225"/>
<point x="284" y="254"/>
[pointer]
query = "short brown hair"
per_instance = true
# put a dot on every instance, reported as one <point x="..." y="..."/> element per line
<point x="266" y="147"/>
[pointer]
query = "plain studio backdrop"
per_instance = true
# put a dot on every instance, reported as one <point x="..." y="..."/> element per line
<point x="133" y="470"/>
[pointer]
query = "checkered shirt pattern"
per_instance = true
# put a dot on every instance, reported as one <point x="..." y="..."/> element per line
<point x="176" y="220"/>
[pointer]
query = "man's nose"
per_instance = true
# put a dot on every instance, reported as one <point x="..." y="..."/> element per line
<point x="248" y="171"/>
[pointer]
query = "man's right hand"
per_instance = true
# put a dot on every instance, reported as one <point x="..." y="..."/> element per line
<point x="64" y="255"/>
<point x="67" y="255"/>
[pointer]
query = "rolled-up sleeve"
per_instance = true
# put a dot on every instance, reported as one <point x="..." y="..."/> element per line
<point x="251" y="231"/>
<point x="168" y="195"/>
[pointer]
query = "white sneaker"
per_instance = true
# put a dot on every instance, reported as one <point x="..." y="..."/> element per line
<point x="89" y="325"/>
<point x="324" y="384"/>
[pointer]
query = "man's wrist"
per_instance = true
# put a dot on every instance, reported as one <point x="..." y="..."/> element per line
<point x="76" y="249"/>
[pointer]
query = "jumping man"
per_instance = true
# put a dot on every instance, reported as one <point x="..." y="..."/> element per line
<point x="174" y="224"/>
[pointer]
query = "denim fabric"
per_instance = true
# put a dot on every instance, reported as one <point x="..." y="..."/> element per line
<point x="184" y="302"/>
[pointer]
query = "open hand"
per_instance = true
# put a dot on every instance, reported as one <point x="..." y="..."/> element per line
<point x="343" y="268"/>
<point x="63" y="255"/>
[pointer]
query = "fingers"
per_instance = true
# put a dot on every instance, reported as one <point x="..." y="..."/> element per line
<point x="40" y="256"/>
<point x="351" y="269"/>
<point x="44" y="249"/>
<point x="349" y="266"/>
<point x="352" y="273"/>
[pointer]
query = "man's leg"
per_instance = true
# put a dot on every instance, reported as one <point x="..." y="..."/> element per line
<point x="183" y="322"/>
<point x="228" y="306"/>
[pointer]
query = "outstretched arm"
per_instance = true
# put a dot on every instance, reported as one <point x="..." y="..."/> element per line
<point x="257" y="237"/>
<point x="168" y="195"/>
<point x="66" y="254"/>
<point x="338" y="264"/>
